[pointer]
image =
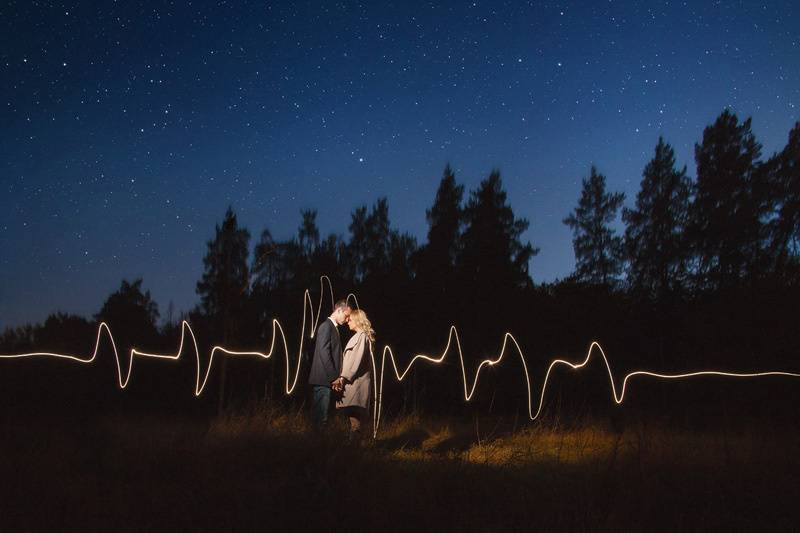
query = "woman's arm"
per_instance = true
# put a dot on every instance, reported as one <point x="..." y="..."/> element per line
<point x="352" y="360"/>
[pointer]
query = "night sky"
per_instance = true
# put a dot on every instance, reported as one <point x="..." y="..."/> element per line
<point x="127" y="128"/>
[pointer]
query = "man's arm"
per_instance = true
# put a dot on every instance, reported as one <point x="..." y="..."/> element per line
<point x="324" y="350"/>
<point x="323" y="341"/>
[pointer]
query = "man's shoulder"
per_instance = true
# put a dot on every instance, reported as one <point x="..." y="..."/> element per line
<point x="325" y="326"/>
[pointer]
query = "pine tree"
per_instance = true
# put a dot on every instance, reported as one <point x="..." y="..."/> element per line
<point x="329" y="258"/>
<point x="225" y="282"/>
<point x="784" y="228"/>
<point x="308" y="234"/>
<point x="370" y="241"/>
<point x="130" y="308"/>
<point x="726" y="227"/>
<point x="435" y="262"/>
<point x="266" y="272"/>
<point x="493" y="255"/>
<point x="598" y="251"/>
<point x="654" y="234"/>
<point x="223" y="289"/>
<point x="132" y="316"/>
<point x="444" y="219"/>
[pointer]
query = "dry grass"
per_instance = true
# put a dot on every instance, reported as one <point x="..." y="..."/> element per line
<point x="264" y="469"/>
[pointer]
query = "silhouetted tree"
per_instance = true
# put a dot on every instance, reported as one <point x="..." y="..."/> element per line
<point x="402" y="247"/>
<point x="445" y="219"/>
<point x="328" y="259"/>
<point x="598" y="251"/>
<point x="784" y="228"/>
<point x="654" y="234"/>
<point x="370" y="241"/>
<point x="492" y="267"/>
<point x="436" y="287"/>
<point x="74" y="334"/>
<point x="131" y="314"/>
<point x="492" y="273"/>
<point x="493" y="255"/>
<point x="316" y="257"/>
<point x="726" y="227"/>
<point x="435" y="261"/>
<point x="278" y="265"/>
<point x="225" y="278"/>
<point x="264" y="271"/>
<point x="223" y="288"/>
<point x="17" y="340"/>
<point x="308" y="234"/>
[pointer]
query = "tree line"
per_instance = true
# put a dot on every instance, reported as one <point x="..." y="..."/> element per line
<point x="706" y="272"/>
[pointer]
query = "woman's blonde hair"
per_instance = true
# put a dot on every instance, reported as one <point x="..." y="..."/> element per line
<point x="362" y="323"/>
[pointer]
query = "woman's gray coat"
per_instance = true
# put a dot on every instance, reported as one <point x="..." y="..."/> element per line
<point x="357" y="371"/>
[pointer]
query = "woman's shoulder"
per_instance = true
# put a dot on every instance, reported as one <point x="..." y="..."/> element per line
<point x="355" y="337"/>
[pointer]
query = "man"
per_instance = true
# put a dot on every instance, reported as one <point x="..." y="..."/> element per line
<point x="327" y="364"/>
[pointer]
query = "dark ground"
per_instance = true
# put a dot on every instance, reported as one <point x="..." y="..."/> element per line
<point x="266" y="471"/>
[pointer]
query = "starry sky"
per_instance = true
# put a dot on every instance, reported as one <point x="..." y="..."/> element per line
<point x="127" y="128"/>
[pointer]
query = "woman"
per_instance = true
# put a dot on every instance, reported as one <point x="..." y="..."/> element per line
<point x="356" y="379"/>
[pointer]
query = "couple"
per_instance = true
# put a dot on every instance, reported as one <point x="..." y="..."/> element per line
<point x="345" y="376"/>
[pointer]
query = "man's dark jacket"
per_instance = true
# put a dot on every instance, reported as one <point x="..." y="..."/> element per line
<point x="327" y="363"/>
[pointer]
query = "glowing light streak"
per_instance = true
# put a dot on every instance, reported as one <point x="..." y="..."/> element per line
<point x="201" y="378"/>
<point x="469" y="390"/>
<point x="379" y="372"/>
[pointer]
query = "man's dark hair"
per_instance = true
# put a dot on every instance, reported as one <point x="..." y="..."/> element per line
<point x="339" y="304"/>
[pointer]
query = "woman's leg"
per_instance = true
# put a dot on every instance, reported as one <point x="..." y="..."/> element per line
<point x="356" y="416"/>
<point x="355" y="422"/>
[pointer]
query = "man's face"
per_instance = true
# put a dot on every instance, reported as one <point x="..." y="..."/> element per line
<point x="342" y="315"/>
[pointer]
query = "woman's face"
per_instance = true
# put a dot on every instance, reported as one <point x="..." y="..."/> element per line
<point x="352" y="325"/>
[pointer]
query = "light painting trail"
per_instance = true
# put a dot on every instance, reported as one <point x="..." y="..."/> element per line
<point x="469" y="391"/>
<point x="200" y="382"/>
<point x="311" y="317"/>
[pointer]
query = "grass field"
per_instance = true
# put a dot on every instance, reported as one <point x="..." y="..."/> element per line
<point x="265" y="470"/>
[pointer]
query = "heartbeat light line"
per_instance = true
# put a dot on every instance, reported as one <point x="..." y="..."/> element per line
<point x="379" y="372"/>
<point x="201" y="378"/>
<point x="469" y="390"/>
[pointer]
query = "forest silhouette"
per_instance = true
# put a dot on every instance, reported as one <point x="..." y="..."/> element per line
<point x="706" y="274"/>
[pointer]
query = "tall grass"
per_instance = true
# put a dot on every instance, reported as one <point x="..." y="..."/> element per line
<point x="264" y="469"/>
